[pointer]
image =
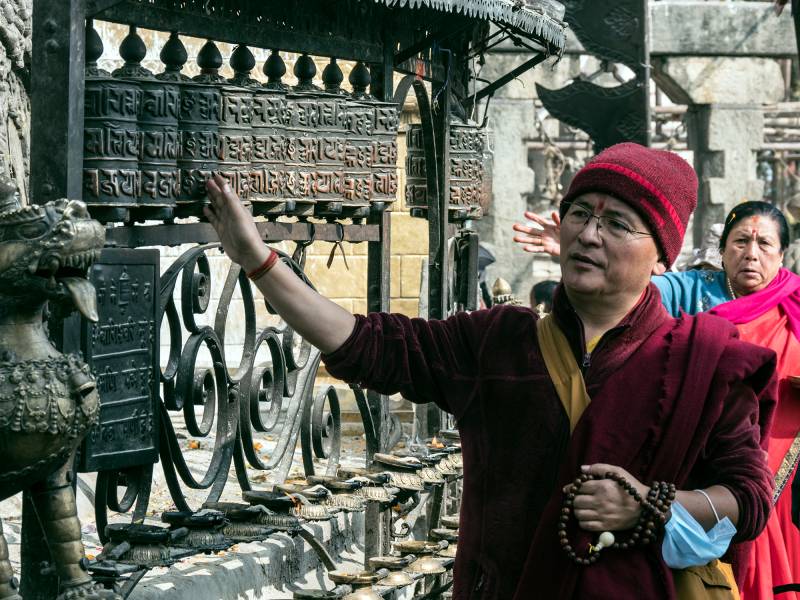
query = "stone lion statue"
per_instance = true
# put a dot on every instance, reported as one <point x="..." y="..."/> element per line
<point x="48" y="400"/>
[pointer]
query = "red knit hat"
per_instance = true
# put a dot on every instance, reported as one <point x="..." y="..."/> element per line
<point x="659" y="185"/>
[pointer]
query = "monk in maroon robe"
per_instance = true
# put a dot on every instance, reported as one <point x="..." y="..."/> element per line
<point x="682" y="401"/>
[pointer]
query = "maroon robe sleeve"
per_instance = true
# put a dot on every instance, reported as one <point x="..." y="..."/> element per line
<point x="736" y="460"/>
<point x="426" y="361"/>
<point x="735" y="454"/>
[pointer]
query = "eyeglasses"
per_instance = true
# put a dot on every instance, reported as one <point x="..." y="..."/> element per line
<point x="579" y="216"/>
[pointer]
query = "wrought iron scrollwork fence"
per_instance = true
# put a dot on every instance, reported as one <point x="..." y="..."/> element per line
<point x="235" y="403"/>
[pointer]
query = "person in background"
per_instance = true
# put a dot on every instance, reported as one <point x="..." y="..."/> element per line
<point x="541" y="296"/>
<point x="579" y="431"/>
<point x="762" y="299"/>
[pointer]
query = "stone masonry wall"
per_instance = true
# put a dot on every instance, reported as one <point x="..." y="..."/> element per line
<point x="15" y="58"/>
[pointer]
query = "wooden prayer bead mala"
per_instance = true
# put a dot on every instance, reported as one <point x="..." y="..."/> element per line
<point x="653" y="516"/>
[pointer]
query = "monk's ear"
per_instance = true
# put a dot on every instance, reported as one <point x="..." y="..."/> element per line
<point x="659" y="268"/>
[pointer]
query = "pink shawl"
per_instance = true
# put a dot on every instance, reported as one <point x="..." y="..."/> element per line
<point x="783" y="291"/>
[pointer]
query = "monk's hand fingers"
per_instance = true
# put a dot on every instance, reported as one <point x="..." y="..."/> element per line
<point x="211" y="216"/>
<point x="619" y="508"/>
<point x="582" y="515"/>
<point x="556" y="218"/>
<point x="534" y="249"/>
<point x="523" y="228"/>
<point x="600" y="470"/>
<point x="593" y="525"/>
<point x="528" y="239"/>
<point x="538" y="219"/>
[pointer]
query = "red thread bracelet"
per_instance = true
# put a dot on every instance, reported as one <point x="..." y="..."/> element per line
<point x="265" y="266"/>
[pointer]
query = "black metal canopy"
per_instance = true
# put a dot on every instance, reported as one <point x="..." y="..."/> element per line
<point x="540" y="21"/>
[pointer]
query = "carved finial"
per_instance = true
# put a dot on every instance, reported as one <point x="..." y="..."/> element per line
<point x="209" y="59"/>
<point x="275" y="69"/>
<point x="332" y="77"/>
<point x="501" y="293"/>
<point x="174" y="56"/>
<point x="132" y="50"/>
<point x="9" y="198"/>
<point x="242" y="62"/>
<point x="360" y="78"/>
<point x="305" y="70"/>
<point x="94" y="50"/>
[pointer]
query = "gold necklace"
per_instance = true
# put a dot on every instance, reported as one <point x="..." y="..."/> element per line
<point x="730" y="288"/>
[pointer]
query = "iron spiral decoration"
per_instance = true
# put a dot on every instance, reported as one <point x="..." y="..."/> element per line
<point x="255" y="397"/>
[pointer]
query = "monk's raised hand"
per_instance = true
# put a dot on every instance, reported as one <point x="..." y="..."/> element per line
<point x="602" y="505"/>
<point x="234" y="225"/>
<point x="542" y="239"/>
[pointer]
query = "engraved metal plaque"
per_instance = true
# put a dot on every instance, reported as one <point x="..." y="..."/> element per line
<point x="122" y="351"/>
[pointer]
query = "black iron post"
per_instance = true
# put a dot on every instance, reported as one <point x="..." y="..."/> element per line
<point x="57" y="73"/>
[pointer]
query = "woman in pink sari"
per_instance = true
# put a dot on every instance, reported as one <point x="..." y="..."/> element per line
<point x="766" y="310"/>
<point x="763" y="300"/>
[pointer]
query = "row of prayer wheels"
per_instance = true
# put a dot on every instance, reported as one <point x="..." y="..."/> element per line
<point x="152" y="140"/>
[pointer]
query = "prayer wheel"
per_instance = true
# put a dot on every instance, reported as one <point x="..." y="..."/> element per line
<point x="158" y="133"/>
<point x="198" y="123"/>
<point x="269" y="182"/>
<point x="469" y="171"/>
<point x="235" y="132"/>
<point x="111" y="138"/>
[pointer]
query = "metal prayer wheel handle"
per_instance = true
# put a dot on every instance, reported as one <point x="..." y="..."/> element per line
<point x="451" y="521"/>
<point x="358" y="577"/>
<point x="419" y="546"/>
<point x="408" y="463"/>
<point x="391" y="562"/>
<point x="450" y="535"/>
<point x="340" y="591"/>
<point x="334" y="483"/>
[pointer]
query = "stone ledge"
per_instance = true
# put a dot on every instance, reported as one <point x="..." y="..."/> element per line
<point x="270" y="569"/>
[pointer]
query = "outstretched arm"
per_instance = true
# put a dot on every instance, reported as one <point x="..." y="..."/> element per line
<point x="323" y="323"/>
<point x="542" y="239"/>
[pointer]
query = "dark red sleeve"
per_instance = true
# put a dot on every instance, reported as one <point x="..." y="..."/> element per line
<point x="425" y="361"/>
<point x="735" y="455"/>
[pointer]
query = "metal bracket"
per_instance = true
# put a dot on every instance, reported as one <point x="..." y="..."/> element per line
<point x="500" y="82"/>
<point x="428" y="41"/>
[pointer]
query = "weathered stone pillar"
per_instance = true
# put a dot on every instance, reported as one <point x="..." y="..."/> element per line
<point x="724" y="139"/>
<point x="725" y="125"/>
<point x="512" y="119"/>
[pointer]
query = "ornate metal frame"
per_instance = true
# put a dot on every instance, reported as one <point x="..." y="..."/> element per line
<point x="250" y="399"/>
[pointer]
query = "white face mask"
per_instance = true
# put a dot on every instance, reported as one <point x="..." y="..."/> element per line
<point x="687" y="544"/>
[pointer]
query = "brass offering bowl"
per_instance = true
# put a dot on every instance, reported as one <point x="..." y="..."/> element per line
<point x="406" y="481"/>
<point x="427" y="565"/>
<point x="419" y="546"/>
<point x="397" y="579"/>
